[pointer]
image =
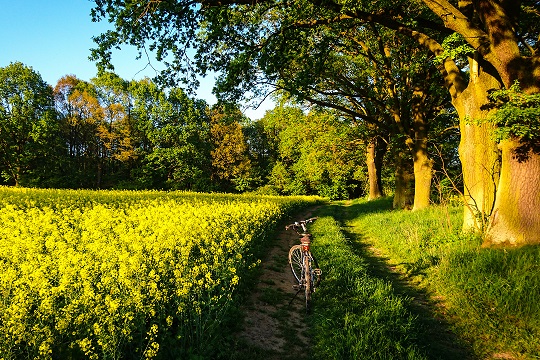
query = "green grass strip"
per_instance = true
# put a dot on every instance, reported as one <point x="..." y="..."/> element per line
<point x="487" y="297"/>
<point x="357" y="315"/>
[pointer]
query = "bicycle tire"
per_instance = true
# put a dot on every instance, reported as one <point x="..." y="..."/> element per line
<point x="316" y="276"/>
<point x="308" y="284"/>
<point x="296" y="263"/>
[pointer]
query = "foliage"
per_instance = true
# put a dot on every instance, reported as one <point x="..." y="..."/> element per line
<point x="121" y="274"/>
<point x="27" y="120"/>
<point x="180" y="140"/>
<point x="454" y="47"/>
<point x="317" y="154"/>
<point x="230" y="161"/>
<point x="516" y="117"/>
<point x="251" y="41"/>
<point x="81" y="120"/>
<point x="110" y="133"/>
<point x="133" y="135"/>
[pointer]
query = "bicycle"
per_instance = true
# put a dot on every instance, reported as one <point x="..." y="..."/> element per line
<point x="303" y="264"/>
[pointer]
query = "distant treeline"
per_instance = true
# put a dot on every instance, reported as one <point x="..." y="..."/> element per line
<point x="113" y="133"/>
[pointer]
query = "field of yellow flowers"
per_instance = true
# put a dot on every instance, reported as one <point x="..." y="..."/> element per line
<point x="124" y="274"/>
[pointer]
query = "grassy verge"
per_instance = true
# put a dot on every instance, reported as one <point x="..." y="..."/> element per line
<point x="358" y="315"/>
<point x="487" y="297"/>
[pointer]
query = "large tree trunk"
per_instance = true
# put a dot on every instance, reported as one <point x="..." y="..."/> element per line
<point x="99" y="174"/>
<point x="515" y="216"/>
<point x="17" y="176"/>
<point x="375" y="151"/>
<point x="423" y="165"/>
<point x="515" y="219"/>
<point x="478" y="151"/>
<point x="403" y="195"/>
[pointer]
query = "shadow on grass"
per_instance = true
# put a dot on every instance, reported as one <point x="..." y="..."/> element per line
<point x="438" y="340"/>
<point x="346" y="211"/>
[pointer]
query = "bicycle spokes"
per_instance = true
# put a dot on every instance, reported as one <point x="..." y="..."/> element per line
<point x="296" y="262"/>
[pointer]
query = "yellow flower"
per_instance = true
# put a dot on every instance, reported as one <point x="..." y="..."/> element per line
<point x="97" y="267"/>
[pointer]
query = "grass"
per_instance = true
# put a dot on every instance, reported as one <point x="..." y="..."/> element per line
<point x="504" y="285"/>
<point x="358" y="315"/>
<point x="272" y="296"/>
<point x="451" y="298"/>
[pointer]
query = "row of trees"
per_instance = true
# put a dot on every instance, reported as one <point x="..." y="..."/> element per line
<point x="393" y="65"/>
<point x="99" y="134"/>
<point x="112" y="133"/>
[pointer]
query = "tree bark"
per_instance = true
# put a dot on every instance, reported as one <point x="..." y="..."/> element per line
<point x="403" y="196"/>
<point x="423" y="165"/>
<point x="515" y="219"/>
<point x="375" y="151"/>
<point x="478" y="151"/>
<point x="17" y="176"/>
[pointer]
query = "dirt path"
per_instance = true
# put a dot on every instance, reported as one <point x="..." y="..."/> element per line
<point x="273" y="325"/>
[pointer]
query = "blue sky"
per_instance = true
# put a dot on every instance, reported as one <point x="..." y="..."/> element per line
<point x="55" y="37"/>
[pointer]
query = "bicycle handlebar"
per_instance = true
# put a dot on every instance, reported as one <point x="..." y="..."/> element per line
<point x="300" y="224"/>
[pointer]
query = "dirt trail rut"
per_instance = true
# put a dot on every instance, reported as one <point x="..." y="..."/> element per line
<point x="273" y="324"/>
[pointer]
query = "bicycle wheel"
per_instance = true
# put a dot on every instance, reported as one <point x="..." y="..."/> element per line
<point x="315" y="272"/>
<point x="295" y="260"/>
<point x="308" y="286"/>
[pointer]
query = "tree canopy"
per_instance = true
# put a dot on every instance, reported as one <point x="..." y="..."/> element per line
<point x="259" y="31"/>
<point x="398" y="73"/>
<point x="267" y="44"/>
<point x="26" y="119"/>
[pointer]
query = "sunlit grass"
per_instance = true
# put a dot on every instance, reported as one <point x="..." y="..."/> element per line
<point x="494" y="293"/>
<point x="489" y="296"/>
<point x="357" y="315"/>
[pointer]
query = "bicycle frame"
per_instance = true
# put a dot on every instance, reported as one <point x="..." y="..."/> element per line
<point x="303" y="264"/>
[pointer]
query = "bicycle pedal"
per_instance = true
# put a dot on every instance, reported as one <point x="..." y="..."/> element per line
<point x="297" y="287"/>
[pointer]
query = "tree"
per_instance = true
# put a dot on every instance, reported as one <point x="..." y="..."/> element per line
<point x="261" y="149"/>
<point x="117" y="129"/>
<point x="180" y="140"/>
<point x="80" y="116"/>
<point x="317" y="153"/>
<point x="149" y="109"/>
<point x="231" y="165"/>
<point x="502" y="38"/>
<point x="26" y="117"/>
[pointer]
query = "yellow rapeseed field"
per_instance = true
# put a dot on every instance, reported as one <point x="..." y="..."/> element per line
<point x="123" y="274"/>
